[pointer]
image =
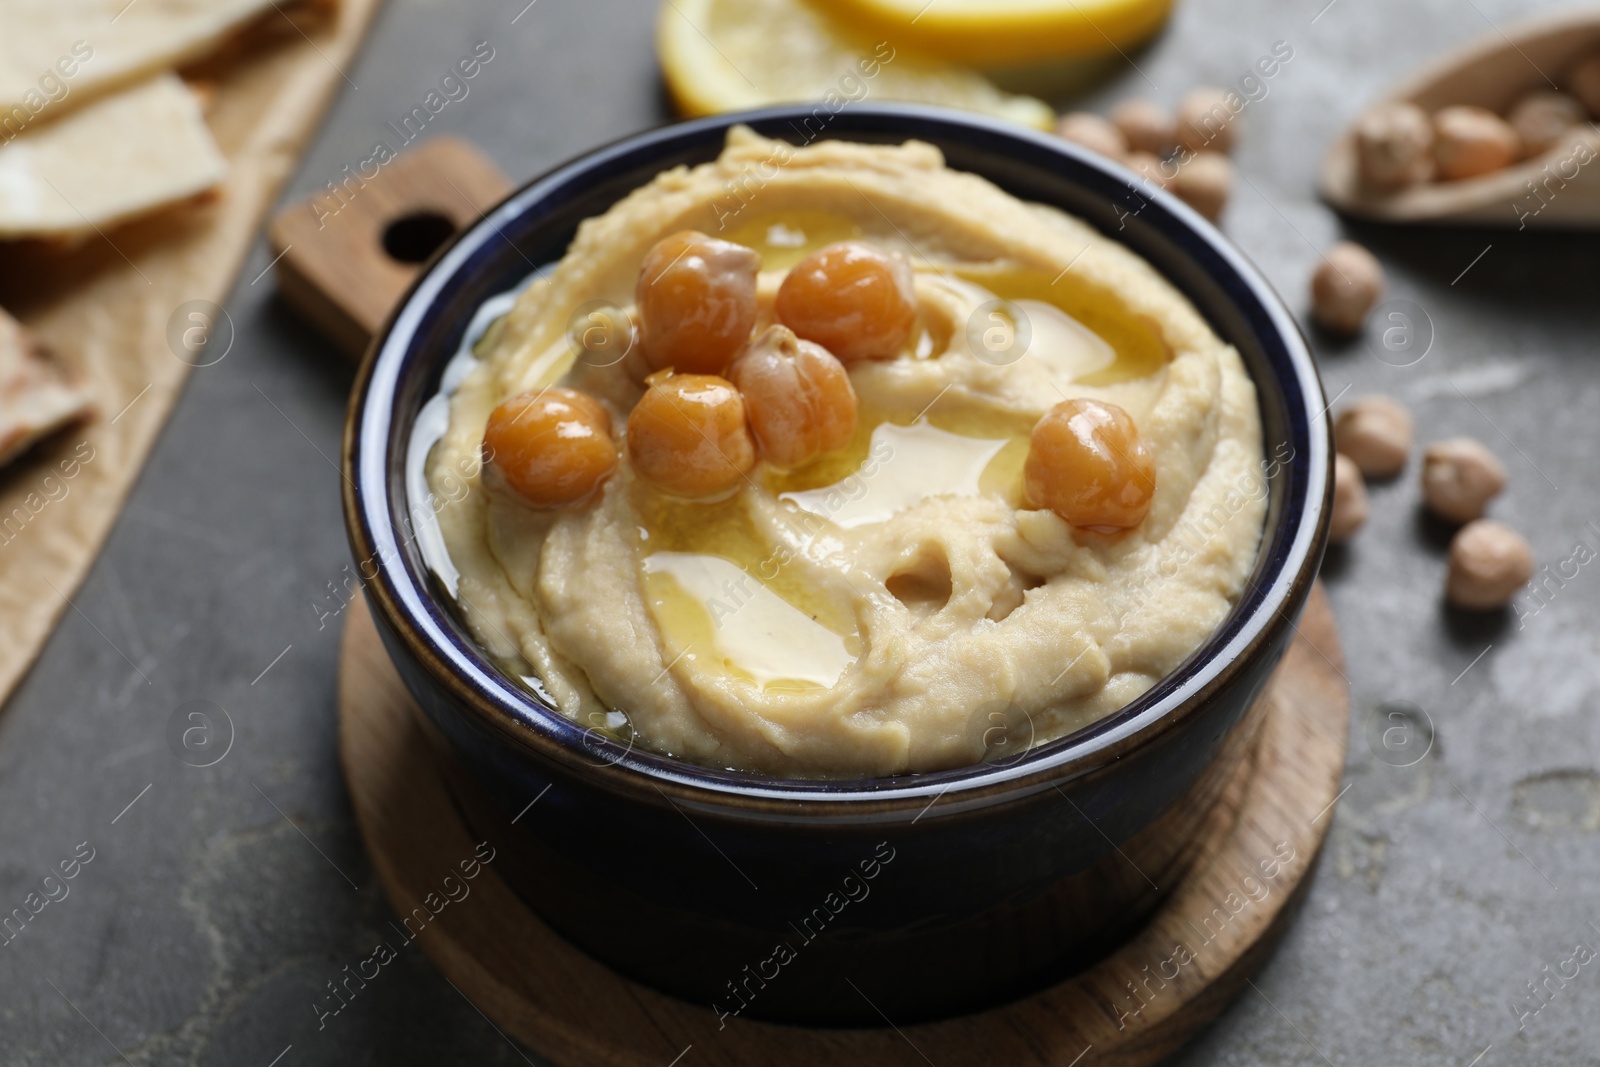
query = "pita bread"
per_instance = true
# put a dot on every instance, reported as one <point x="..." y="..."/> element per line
<point x="126" y="41"/>
<point x="36" y="398"/>
<point x="119" y="157"/>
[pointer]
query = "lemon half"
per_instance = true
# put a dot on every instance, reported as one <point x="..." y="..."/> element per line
<point x="1007" y="32"/>
<point x="728" y="55"/>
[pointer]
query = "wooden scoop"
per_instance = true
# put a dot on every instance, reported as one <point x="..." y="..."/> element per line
<point x="1552" y="189"/>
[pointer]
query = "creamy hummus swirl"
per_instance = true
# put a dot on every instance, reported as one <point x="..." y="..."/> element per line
<point x="897" y="608"/>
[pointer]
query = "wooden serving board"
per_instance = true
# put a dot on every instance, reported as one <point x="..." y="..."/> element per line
<point x="105" y="309"/>
<point x="540" y="989"/>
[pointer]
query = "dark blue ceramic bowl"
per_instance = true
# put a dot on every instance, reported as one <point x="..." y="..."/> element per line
<point x="828" y="901"/>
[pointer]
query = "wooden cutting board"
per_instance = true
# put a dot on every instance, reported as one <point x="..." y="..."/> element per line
<point x="116" y="310"/>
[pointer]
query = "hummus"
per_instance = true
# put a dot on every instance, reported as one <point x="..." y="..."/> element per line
<point x="894" y="606"/>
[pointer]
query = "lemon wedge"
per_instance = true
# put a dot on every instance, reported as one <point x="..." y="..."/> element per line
<point x="727" y="55"/>
<point x="1006" y="32"/>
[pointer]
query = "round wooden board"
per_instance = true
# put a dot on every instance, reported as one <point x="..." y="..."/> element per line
<point x="1132" y="1008"/>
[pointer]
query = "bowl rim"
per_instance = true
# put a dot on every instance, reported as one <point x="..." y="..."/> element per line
<point x="406" y="606"/>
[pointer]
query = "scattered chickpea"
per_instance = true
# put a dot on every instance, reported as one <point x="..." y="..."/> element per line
<point x="552" y="447"/>
<point x="1092" y="132"/>
<point x="1345" y="287"/>
<point x="1489" y="562"/>
<point x="688" y="436"/>
<point x="1542" y="117"/>
<point x="1459" y="478"/>
<point x="797" y="397"/>
<point x="852" y="298"/>
<point x="1088" y="463"/>
<point x="1468" y="141"/>
<point x="696" y="299"/>
<point x="1148" y="165"/>
<point x="1145" y="126"/>
<point x="1205" y="182"/>
<point x="1394" y="146"/>
<point x="1205" y="122"/>
<point x="1584" y="82"/>
<point x="1376" y="433"/>
<point x="1349" y="500"/>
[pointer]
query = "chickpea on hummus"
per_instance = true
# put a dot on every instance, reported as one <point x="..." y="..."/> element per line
<point x="888" y="471"/>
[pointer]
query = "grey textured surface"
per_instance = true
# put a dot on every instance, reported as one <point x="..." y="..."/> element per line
<point x="218" y="905"/>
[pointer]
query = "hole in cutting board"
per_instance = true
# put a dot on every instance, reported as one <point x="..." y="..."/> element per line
<point x="413" y="238"/>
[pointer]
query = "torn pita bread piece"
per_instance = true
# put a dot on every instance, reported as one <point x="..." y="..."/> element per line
<point x="124" y="156"/>
<point x="36" y="397"/>
<point x="56" y="55"/>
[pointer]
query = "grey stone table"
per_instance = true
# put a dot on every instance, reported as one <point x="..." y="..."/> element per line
<point x="217" y="906"/>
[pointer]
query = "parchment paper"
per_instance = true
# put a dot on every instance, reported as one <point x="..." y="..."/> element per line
<point x="104" y="309"/>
